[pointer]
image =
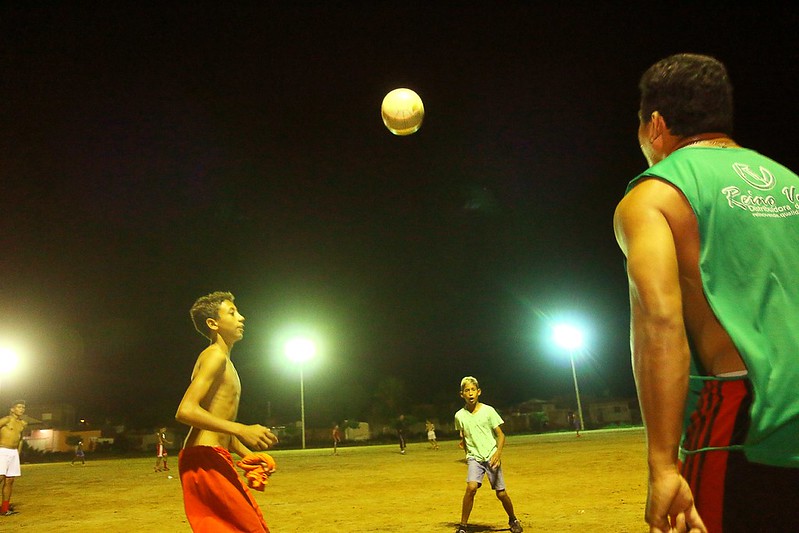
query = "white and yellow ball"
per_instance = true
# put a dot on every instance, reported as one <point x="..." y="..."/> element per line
<point x="402" y="111"/>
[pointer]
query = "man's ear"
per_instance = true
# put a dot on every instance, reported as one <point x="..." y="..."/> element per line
<point x="657" y="126"/>
<point x="212" y="324"/>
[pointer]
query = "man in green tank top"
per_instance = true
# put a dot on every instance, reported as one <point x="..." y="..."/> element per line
<point x="710" y="234"/>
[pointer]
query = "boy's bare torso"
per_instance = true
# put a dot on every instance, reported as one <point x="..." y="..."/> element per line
<point x="222" y="401"/>
<point x="11" y="432"/>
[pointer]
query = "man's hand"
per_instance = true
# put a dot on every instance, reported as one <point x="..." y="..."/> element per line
<point x="256" y="437"/>
<point x="670" y="506"/>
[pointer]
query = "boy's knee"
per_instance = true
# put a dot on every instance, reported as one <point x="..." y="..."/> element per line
<point x="471" y="487"/>
<point x="501" y="494"/>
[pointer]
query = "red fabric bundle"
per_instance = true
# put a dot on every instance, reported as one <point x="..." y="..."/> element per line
<point x="257" y="469"/>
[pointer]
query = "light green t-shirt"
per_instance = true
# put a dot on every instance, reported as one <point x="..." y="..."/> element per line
<point x="478" y="431"/>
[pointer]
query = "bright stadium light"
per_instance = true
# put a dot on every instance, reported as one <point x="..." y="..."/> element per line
<point x="9" y="360"/>
<point x="300" y="351"/>
<point x="570" y="338"/>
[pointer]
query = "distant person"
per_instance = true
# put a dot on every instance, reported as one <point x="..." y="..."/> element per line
<point x="160" y="450"/>
<point x="431" y="433"/>
<point x="402" y="427"/>
<point x="483" y="439"/>
<point x="80" y="455"/>
<point x="574" y="422"/>
<point x="11" y="428"/>
<point x="336" y="435"/>
<point x="710" y="233"/>
<point x="214" y="496"/>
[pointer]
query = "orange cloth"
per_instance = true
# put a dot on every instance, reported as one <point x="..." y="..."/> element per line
<point x="257" y="469"/>
<point x="214" y="496"/>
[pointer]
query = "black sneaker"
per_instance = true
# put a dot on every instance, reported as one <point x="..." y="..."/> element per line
<point x="9" y="512"/>
<point x="515" y="526"/>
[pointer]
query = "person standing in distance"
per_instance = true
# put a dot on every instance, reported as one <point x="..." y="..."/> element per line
<point x="214" y="496"/>
<point x="480" y="427"/>
<point x="710" y="235"/>
<point x="11" y="428"/>
<point x="336" y="436"/>
<point x="161" y="453"/>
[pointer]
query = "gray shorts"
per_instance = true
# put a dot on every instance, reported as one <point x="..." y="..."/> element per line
<point x="477" y="469"/>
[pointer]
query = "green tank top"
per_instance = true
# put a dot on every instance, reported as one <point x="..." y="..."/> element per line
<point x="747" y="207"/>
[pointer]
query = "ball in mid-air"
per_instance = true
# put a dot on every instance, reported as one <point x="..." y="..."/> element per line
<point x="402" y="111"/>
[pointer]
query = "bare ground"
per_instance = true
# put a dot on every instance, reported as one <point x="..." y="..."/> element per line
<point x="557" y="482"/>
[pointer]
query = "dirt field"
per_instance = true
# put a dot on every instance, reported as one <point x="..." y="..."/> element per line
<point x="557" y="482"/>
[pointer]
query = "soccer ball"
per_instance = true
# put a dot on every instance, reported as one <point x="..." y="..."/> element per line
<point x="402" y="111"/>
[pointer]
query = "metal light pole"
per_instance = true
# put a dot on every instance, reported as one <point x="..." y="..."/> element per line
<point x="571" y="338"/>
<point x="302" y="405"/>
<point x="577" y="391"/>
<point x="300" y="351"/>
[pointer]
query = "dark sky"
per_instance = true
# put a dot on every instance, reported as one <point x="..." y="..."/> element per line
<point x="153" y="153"/>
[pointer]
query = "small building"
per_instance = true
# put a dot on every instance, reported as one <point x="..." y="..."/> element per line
<point x="357" y="433"/>
<point x="55" y="440"/>
<point x="60" y="415"/>
<point x="149" y="441"/>
<point x="603" y="413"/>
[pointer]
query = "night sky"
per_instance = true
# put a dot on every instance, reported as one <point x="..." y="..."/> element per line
<point x="153" y="153"/>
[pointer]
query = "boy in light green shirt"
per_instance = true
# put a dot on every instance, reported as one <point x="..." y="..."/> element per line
<point x="482" y="439"/>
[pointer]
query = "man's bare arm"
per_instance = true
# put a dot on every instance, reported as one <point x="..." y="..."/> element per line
<point x="660" y="354"/>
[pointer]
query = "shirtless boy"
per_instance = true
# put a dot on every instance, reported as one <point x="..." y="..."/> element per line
<point x="214" y="496"/>
<point x="11" y="428"/>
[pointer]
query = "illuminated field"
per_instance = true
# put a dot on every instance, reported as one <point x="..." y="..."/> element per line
<point x="557" y="482"/>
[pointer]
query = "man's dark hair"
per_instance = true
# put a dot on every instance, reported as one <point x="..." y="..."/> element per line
<point x="692" y="92"/>
<point x="207" y="307"/>
<point x="17" y="402"/>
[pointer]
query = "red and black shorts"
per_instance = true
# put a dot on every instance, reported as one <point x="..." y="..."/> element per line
<point x="731" y="493"/>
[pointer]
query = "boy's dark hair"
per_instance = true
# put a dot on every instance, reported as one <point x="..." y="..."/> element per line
<point x="208" y="307"/>
<point x="692" y="92"/>
<point x="17" y="402"/>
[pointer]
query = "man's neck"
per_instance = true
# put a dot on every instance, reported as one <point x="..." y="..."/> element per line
<point x="710" y="139"/>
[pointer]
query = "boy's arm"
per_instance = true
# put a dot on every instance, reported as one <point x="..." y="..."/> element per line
<point x="496" y="458"/>
<point x="238" y="448"/>
<point x="190" y="412"/>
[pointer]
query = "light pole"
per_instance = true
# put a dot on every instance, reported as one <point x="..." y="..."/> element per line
<point x="571" y="338"/>
<point x="300" y="351"/>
